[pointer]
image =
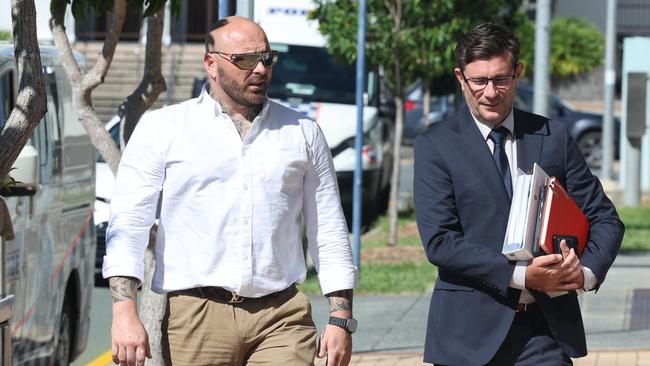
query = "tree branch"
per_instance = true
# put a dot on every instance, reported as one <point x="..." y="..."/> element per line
<point x="83" y="85"/>
<point x="152" y="83"/>
<point x="62" y="43"/>
<point x="31" y="104"/>
<point x="96" y="75"/>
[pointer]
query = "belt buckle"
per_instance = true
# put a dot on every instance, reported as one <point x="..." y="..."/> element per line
<point x="235" y="299"/>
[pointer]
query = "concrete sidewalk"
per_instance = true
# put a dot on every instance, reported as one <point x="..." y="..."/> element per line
<point x="595" y="358"/>
<point x="617" y="321"/>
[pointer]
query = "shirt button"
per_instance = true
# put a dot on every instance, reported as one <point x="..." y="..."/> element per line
<point x="245" y="186"/>
<point x="245" y="222"/>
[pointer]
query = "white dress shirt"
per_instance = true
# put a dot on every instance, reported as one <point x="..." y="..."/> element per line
<point x="230" y="210"/>
<point x="518" y="279"/>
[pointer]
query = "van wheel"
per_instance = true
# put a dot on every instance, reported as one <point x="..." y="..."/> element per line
<point x="64" y="346"/>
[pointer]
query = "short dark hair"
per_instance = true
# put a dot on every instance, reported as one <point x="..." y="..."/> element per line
<point x="485" y="41"/>
<point x="209" y="41"/>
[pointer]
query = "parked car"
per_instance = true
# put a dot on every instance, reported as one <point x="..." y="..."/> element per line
<point x="440" y="108"/>
<point x="585" y="127"/>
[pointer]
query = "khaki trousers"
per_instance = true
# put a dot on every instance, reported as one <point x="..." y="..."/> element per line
<point x="200" y="328"/>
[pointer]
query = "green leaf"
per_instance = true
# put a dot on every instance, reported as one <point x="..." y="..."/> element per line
<point x="79" y="9"/>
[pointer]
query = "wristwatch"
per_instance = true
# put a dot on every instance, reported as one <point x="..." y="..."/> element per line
<point x="349" y="324"/>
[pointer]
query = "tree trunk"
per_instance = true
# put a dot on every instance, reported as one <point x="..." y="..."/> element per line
<point x="395" y="9"/>
<point x="152" y="305"/>
<point x="153" y="82"/>
<point x="397" y="156"/>
<point x="426" y="103"/>
<point x="31" y="102"/>
<point x="395" y="179"/>
<point x="83" y="84"/>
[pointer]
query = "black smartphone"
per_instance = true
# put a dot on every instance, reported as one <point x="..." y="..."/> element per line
<point x="571" y="242"/>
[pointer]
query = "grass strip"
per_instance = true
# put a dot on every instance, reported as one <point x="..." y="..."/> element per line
<point x="414" y="274"/>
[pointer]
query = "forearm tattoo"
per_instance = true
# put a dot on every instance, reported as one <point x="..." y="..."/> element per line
<point x="123" y="288"/>
<point x="340" y="300"/>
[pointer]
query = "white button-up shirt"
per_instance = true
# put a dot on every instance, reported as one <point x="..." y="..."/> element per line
<point x="230" y="210"/>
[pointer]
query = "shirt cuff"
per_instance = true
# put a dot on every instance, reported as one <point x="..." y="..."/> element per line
<point x="590" y="279"/>
<point x="518" y="279"/>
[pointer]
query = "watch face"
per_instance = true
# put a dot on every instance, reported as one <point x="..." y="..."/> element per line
<point x="349" y="324"/>
<point x="352" y="325"/>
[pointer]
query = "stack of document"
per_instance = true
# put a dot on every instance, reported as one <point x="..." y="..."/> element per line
<point x="541" y="215"/>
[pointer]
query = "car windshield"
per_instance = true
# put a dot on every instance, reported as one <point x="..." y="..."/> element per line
<point x="311" y="74"/>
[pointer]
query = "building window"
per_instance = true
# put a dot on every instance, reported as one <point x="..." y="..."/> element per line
<point x="195" y="19"/>
<point x="93" y="26"/>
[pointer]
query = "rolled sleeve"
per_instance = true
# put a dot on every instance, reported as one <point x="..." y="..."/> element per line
<point x="133" y="206"/>
<point x="327" y="234"/>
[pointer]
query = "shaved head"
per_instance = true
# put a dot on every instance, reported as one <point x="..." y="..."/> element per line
<point x="230" y="31"/>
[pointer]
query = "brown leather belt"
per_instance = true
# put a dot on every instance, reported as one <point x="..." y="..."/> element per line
<point x="220" y="293"/>
<point x="526" y="307"/>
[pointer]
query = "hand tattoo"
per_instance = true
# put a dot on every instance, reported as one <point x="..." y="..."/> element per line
<point x="123" y="288"/>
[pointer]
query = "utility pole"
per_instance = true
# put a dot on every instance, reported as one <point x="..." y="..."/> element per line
<point x="224" y="8"/>
<point x="608" y="98"/>
<point x="358" y="140"/>
<point x="245" y="8"/>
<point x="542" y="48"/>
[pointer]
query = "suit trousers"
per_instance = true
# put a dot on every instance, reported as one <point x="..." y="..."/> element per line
<point x="201" y="328"/>
<point x="530" y="343"/>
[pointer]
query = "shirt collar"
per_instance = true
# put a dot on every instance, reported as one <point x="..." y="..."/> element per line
<point x="508" y="123"/>
<point x="210" y="105"/>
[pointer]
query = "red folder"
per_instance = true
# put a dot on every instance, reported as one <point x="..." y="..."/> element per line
<point x="561" y="219"/>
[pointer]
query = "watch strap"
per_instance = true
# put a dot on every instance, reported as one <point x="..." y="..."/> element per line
<point x="339" y="322"/>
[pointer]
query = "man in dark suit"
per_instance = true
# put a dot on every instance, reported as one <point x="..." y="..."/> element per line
<point x="486" y="309"/>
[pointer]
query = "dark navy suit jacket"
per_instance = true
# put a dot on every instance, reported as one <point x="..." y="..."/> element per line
<point x="462" y="210"/>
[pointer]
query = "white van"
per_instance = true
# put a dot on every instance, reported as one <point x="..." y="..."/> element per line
<point x="309" y="80"/>
<point x="50" y="263"/>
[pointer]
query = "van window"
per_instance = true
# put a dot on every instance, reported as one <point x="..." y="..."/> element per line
<point x="47" y="135"/>
<point x="7" y="96"/>
<point x="311" y="74"/>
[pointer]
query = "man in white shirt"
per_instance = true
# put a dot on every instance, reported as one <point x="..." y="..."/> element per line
<point x="237" y="171"/>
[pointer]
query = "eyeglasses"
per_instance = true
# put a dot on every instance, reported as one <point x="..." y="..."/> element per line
<point x="248" y="61"/>
<point x="499" y="82"/>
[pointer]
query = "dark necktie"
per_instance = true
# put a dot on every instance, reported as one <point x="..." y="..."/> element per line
<point x="498" y="136"/>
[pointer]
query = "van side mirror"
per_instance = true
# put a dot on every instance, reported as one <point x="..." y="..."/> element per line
<point x="25" y="174"/>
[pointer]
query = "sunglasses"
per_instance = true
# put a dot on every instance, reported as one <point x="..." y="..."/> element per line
<point x="248" y="61"/>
